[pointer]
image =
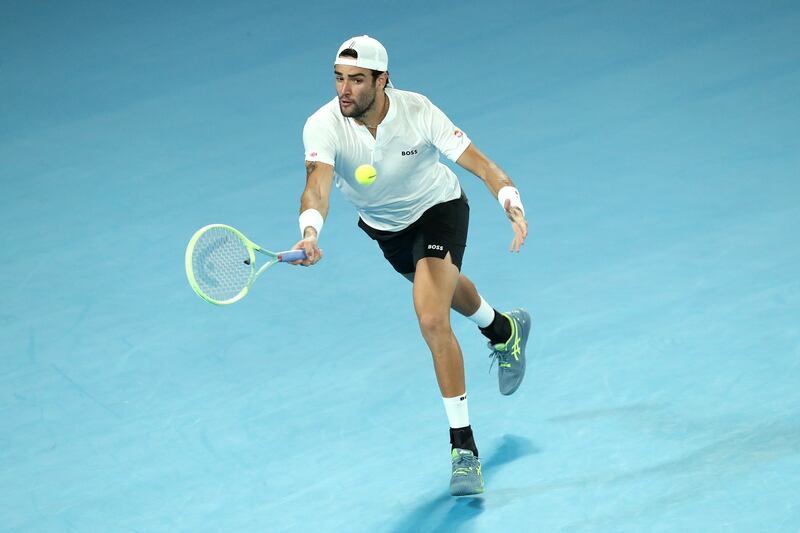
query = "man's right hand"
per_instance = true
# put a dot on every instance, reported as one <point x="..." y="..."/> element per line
<point x="309" y="244"/>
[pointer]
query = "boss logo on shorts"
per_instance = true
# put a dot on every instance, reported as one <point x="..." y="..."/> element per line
<point x="436" y="247"/>
<point x="408" y="152"/>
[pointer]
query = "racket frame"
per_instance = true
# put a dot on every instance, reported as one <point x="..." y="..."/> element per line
<point x="252" y="248"/>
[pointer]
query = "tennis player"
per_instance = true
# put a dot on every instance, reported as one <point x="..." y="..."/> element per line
<point x="418" y="214"/>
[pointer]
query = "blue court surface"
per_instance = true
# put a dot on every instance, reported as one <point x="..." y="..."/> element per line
<point x="657" y="149"/>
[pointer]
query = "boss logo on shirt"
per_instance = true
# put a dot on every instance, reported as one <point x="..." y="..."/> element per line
<point x="408" y="152"/>
<point x="435" y="247"/>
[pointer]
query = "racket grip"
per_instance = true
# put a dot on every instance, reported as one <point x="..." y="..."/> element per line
<point x="291" y="255"/>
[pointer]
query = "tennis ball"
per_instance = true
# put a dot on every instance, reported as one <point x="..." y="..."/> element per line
<point x="366" y="174"/>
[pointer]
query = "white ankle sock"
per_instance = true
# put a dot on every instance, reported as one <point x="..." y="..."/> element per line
<point x="457" y="412"/>
<point x="484" y="315"/>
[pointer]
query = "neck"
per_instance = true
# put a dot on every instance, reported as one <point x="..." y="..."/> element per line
<point x="378" y="112"/>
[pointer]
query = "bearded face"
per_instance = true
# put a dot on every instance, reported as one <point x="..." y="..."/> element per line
<point x="356" y="90"/>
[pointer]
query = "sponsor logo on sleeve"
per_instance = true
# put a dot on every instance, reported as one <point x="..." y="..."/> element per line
<point x="458" y="133"/>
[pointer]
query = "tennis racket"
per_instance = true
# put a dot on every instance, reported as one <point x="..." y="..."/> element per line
<point x="221" y="263"/>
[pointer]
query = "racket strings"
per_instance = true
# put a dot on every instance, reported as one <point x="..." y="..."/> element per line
<point x="221" y="264"/>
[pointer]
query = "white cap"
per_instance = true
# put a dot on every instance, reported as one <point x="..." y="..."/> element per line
<point x="371" y="54"/>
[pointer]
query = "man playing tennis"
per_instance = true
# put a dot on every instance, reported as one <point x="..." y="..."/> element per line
<point x="418" y="215"/>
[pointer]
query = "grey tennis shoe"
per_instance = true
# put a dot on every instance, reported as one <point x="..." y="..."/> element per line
<point x="467" y="478"/>
<point x="510" y="356"/>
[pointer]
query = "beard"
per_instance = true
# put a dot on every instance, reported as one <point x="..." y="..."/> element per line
<point x="360" y="107"/>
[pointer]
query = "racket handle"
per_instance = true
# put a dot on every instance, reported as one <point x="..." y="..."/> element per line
<point x="291" y="255"/>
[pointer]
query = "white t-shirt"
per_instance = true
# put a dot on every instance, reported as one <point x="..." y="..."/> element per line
<point x="405" y="154"/>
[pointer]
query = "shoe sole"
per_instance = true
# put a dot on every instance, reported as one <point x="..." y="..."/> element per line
<point x="466" y="492"/>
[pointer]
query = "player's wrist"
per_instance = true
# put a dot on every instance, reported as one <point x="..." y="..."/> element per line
<point x="510" y="194"/>
<point x="311" y="221"/>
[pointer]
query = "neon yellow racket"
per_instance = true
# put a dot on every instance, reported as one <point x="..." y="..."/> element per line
<point x="221" y="263"/>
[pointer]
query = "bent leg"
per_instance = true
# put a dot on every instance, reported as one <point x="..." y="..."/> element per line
<point x="435" y="283"/>
<point x="466" y="299"/>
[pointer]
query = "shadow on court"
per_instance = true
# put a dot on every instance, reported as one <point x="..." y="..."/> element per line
<point x="446" y="513"/>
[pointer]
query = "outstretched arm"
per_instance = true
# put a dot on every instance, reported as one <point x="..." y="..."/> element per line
<point x="314" y="209"/>
<point x="495" y="179"/>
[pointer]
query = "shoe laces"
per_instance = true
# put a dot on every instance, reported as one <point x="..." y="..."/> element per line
<point x="499" y="354"/>
<point x="502" y="353"/>
<point x="465" y="464"/>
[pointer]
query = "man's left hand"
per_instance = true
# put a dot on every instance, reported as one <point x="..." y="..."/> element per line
<point x="518" y="224"/>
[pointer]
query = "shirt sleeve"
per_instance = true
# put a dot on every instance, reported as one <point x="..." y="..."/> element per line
<point x="319" y="142"/>
<point x="443" y="134"/>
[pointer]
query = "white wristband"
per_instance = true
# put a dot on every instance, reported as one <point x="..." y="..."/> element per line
<point x="510" y="193"/>
<point x="313" y="218"/>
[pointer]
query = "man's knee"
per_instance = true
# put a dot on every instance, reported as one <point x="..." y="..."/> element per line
<point x="434" y="324"/>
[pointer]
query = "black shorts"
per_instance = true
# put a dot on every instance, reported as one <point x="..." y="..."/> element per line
<point x="440" y="229"/>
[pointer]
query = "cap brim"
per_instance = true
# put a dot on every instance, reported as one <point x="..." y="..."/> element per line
<point x="362" y="63"/>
